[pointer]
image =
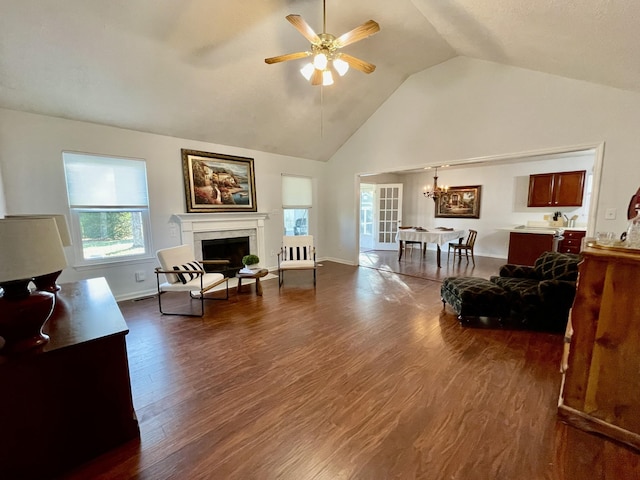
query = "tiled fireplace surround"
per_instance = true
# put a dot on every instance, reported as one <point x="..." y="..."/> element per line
<point x="196" y="227"/>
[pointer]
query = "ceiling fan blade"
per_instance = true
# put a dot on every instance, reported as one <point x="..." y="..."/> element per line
<point x="316" y="78"/>
<point x="358" y="64"/>
<point x="365" y="30"/>
<point x="303" y="27"/>
<point x="288" y="56"/>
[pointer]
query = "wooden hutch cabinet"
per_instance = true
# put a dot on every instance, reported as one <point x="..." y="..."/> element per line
<point x="560" y="189"/>
<point x="601" y="385"/>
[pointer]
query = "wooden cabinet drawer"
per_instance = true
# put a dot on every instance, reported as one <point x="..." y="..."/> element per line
<point x="574" y="234"/>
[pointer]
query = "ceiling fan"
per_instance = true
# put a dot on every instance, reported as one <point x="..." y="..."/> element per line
<point x="325" y="49"/>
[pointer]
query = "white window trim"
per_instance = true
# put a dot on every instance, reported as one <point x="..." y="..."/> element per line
<point x="80" y="263"/>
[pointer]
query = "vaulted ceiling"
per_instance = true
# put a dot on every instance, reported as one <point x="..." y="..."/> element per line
<point x="195" y="69"/>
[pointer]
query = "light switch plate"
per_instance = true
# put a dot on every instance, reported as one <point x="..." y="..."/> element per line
<point x="610" y="214"/>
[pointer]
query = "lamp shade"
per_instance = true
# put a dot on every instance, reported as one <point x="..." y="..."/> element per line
<point x="29" y="247"/>
<point x="61" y="222"/>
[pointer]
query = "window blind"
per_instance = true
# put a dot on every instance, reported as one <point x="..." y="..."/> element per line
<point x="94" y="181"/>
<point x="296" y="192"/>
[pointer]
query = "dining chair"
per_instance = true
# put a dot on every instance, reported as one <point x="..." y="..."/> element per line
<point x="467" y="247"/>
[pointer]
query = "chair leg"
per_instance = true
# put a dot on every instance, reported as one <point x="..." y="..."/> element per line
<point x="202" y="299"/>
<point x="160" y="292"/>
<point x="178" y="313"/>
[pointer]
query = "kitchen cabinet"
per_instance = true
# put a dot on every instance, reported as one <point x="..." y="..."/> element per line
<point x="600" y="391"/>
<point x="524" y="248"/>
<point x="560" y="189"/>
<point x="572" y="241"/>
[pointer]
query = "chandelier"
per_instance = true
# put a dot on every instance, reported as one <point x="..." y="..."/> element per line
<point x="436" y="191"/>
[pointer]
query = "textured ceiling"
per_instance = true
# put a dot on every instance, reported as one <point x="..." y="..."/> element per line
<point x="195" y="68"/>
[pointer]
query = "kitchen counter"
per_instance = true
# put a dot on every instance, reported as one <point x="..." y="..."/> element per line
<point x="538" y="230"/>
<point x="541" y="230"/>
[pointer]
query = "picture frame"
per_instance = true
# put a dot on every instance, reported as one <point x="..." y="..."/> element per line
<point x="215" y="182"/>
<point x="459" y="202"/>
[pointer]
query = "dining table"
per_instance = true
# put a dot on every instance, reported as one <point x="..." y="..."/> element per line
<point x="439" y="235"/>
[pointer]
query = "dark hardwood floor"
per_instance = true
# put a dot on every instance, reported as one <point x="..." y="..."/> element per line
<point x="413" y="264"/>
<point x="365" y="377"/>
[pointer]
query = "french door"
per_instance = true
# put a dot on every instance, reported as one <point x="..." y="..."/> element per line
<point x="388" y="212"/>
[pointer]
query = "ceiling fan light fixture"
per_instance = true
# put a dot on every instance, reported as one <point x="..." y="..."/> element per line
<point x="341" y="66"/>
<point x="327" y="78"/>
<point x="307" y="71"/>
<point x="320" y="61"/>
<point x="324" y="49"/>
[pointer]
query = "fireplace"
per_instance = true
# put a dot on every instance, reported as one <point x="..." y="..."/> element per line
<point x="196" y="228"/>
<point x="232" y="249"/>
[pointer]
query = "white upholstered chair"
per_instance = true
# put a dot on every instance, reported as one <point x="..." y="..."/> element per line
<point x="183" y="273"/>
<point x="297" y="253"/>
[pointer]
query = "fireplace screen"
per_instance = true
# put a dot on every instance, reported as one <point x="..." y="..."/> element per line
<point x="232" y="249"/>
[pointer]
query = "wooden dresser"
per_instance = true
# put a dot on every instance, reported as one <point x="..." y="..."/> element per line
<point x="601" y="385"/>
<point x="70" y="400"/>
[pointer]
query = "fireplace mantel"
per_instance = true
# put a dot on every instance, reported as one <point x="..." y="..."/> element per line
<point x="193" y="223"/>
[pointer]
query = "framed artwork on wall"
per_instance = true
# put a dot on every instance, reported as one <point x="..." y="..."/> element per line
<point x="459" y="202"/>
<point x="214" y="182"/>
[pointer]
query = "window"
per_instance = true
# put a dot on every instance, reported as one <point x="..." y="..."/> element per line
<point x="367" y="192"/>
<point x="109" y="207"/>
<point x="296" y="203"/>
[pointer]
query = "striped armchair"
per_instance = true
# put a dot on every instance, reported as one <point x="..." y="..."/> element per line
<point x="297" y="253"/>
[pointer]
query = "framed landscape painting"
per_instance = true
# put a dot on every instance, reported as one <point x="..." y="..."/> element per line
<point x="214" y="182"/>
<point x="459" y="202"/>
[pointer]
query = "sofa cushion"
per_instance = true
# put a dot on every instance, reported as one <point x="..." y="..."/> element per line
<point x="523" y="291"/>
<point x="557" y="266"/>
<point x="473" y="296"/>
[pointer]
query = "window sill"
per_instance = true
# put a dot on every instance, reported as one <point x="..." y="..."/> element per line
<point x="112" y="263"/>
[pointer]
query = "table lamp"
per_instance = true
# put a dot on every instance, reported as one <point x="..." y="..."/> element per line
<point x="47" y="282"/>
<point x="29" y="247"/>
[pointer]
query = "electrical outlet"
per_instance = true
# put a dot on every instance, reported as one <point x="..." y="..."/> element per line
<point x="140" y="276"/>
<point x="610" y="214"/>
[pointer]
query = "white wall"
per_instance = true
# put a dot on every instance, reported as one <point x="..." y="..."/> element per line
<point x="31" y="163"/>
<point x="466" y="108"/>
